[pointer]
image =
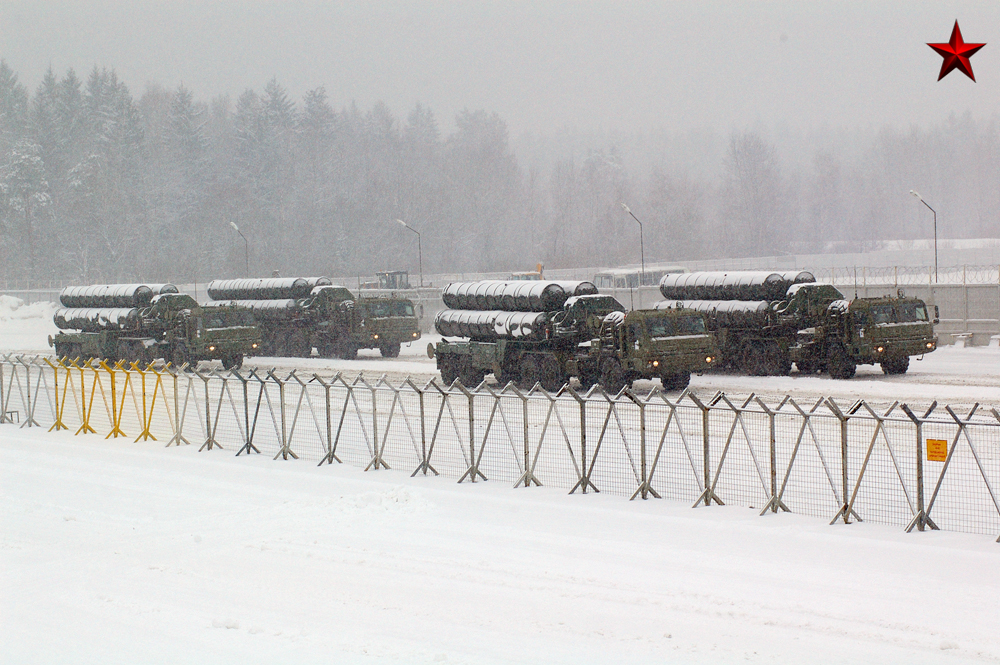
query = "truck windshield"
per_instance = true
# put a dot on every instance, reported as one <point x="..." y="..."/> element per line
<point x="402" y="308"/>
<point x="881" y="313"/>
<point x="912" y="311"/>
<point x="675" y="325"/>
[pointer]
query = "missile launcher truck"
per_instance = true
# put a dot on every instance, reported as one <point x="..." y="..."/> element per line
<point x="139" y="322"/>
<point x="297" y="314"/>
<point x="765" y="321"/>
<point x="546" y="332"/>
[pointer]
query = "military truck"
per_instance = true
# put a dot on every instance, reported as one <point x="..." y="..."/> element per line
<point x="865" y="331"/>
<point x="169" y="325"/>
<point x="590" y="337"/>
<point x="764" y="322"/>
<point x="296" y="315"/>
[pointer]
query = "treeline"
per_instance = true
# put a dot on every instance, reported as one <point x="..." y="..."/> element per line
<point x="97" y="185"/>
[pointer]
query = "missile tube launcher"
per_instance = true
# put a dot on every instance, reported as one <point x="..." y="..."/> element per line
<point x="764" y="322"/>
<point x="297" y="314"/>
<point x="547" y="331"/>
<point x="142" y="323"/>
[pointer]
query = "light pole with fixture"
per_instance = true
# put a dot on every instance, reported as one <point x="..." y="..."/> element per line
<point x="935" y="232"/>
<point x="246" y="246"/>
<point x="642" y="250"/>
<point x="420" y="255"/>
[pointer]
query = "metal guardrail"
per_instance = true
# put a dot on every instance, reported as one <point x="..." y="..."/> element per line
<point x="933" y="468"/>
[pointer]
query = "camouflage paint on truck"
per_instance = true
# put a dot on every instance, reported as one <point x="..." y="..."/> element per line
<point x="174" y="327"/>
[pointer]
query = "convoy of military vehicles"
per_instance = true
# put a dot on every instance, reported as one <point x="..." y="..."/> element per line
<point x="527" y="331"/>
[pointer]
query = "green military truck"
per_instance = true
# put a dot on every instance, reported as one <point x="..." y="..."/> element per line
<point x="297" y="314"/>
<point x="865" y="331"/>
<point x="591" y="338"/>
<point x="772" y="320"/>
<point x="381" y="322"/>
<point x="172" y="326"/>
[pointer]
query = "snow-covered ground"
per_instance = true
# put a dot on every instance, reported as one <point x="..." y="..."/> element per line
<point x="115" y="552"/>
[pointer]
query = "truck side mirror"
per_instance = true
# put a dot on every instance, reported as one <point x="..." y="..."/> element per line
<point x="937" y="315"/>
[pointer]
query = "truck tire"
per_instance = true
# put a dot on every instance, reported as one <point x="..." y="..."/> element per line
<point x="470" y="376"/>
<point x="348" y="351"/>
<point x="390" y="350"/>
<point x="529" y="372"/>
<point x="839" y="364"/>
<point x="179" y="355"/>
<point x="896" y="365"/>
<point x="232" y="362"/>
<point x="297" y="346"/>
<point x="805" y="367"/>
<point x="678" y="381"/>
<point x="776" y="361"/>
<point x="588" y="378"/>
<point x="612" y="376"/>
<point x="550" y="374"/>
<point x="752" y="360"/>
<point x="449" y="372"/>
<point x="63" y="350"/>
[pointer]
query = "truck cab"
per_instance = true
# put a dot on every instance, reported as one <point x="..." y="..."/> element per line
<point x="665" y="344"/>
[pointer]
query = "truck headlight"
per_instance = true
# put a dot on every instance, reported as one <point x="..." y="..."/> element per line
<point x="211" y="348"/>
<point x="930" y="345"/>
<point x="375" y="336"/>
<point x="656" y="363"/>
<point x="709" y="359"/>
<point x="880" y="349"/>
<point x="254" y="345"/>
<point x="415" y="335"/>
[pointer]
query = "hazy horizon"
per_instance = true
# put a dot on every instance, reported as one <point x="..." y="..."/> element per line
<point x="545" y="68"/>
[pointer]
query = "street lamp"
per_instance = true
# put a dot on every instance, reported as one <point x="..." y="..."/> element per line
<point x="935" y="233"/>
<point x="420" y="255"/>
<point x="246" y="245"/>
<point x="642" y="251"/>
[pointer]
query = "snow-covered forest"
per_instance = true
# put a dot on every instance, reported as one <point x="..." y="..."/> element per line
<point x="99" y="185"/>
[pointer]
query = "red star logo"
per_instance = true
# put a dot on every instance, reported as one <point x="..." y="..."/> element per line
<point x="956" y="54"/>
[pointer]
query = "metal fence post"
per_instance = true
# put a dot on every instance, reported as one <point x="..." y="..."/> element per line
<point x="920" y="520"/>
<point x="708" y="495"/>
<point x="210" y="441"/>
<point x="845" y="510"/>
<point x="774" y="501"/>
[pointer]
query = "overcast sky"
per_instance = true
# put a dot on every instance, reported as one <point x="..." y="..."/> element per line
<point x="543" y="65"/>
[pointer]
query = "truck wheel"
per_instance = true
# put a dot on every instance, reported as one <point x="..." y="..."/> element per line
<point x="233" y="361"/>
<point x="839" y="364"/>
<point x="805" y="367"/>
<point x="389" y="350"/>
<point x="470" y="376"/>
<point x="551" y="375"/>
<point x="448" y="370"/>
<point x="179" y="356"/>
<point x="678" y="381"/>
<point x="588" y="378"/>
<point x="776" y="361"/>
<point x="896" y="365"/>
<point x="529" y="372"/>
<point x="752" y="360"/>
<point x="612" y="376"/>
<point x="297" y="346"/>
<point x="348" y="351"/>
<point x="63" y="350"/>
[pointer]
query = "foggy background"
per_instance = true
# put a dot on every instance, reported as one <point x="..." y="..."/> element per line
<point x="508" y="133"/>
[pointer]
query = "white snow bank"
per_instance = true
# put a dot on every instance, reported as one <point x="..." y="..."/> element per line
<point x="117" y="552"/>
<point x="26" y="328"/>
<point x="14" y="309"/>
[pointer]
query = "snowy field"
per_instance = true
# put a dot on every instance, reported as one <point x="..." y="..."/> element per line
<point x="116" y="552"/>
<point x="120" y="552"/>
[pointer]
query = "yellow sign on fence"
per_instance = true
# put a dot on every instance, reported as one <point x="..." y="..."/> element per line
<point x="937" y="450"/>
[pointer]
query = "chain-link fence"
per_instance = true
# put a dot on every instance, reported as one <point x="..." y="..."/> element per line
<point x="931" y="467"/>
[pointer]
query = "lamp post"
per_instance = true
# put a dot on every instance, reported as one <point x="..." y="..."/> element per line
<point x="935" y="233"/>
<point x="642" y="250"/>
<point x="246" y="246"/>
<point x="420" y="254"/>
